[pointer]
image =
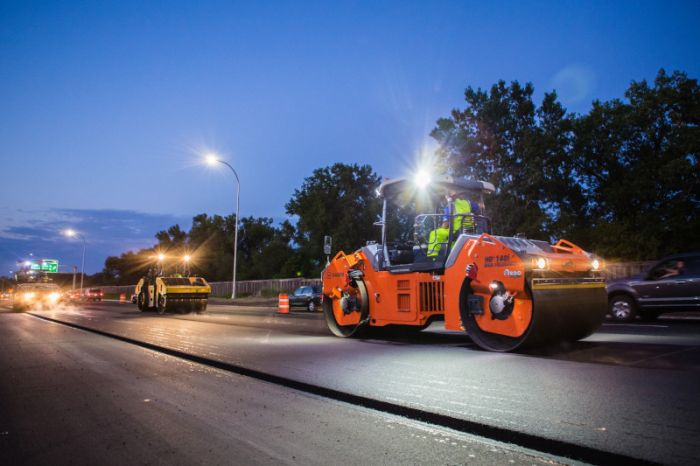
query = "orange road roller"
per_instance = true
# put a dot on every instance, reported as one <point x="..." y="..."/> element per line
<point x="506" y="293"/>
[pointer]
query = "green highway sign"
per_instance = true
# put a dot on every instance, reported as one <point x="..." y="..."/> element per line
<point x="45" y="265"/>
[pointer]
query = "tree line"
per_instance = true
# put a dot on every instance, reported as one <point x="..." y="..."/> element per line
<point x="621" y="180"/>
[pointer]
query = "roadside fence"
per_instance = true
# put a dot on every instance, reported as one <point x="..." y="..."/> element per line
<point x="244" y="288"/>
<point x="288" y="285"/>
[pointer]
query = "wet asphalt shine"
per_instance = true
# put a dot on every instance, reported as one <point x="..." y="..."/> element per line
<point x="627" y="394"/>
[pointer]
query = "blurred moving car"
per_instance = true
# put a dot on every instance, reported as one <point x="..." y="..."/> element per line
<point x="670" y="285"/>
<point x="94" y="294"/>
<point x="71" y="295"/>
<point x="306" y="296"/>
<point x="35" y="295"/>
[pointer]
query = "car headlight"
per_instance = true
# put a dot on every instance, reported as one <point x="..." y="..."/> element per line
<point x="596" y="264"/>
<point x="28" y="296"/>
<point x="539" y="263"/>
<point x="54" y="296"/>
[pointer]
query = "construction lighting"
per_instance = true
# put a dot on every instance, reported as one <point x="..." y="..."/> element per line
<point x="422" y="179"/>
<point x="186" y="258"/>
<point x="161" y="257"/>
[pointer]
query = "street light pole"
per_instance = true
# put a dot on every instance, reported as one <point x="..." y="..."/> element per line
<point x="211" y="159"/>
<point x="71" y="234"/>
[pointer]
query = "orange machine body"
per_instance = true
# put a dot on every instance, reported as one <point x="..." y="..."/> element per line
<point x="416" y="298"/>
<point x="505" y="292"/>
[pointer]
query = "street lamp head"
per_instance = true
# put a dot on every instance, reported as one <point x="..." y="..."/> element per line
<point x="211" y="159"/>
<point x="70" y="233"/>
<point x="186" y="258"/>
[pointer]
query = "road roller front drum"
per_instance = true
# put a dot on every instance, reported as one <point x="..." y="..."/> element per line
<point x="559" y="314"/>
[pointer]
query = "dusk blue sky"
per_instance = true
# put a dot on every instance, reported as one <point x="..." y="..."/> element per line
<point x="106" y="107"/>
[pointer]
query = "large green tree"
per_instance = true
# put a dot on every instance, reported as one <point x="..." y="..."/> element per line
<point x="638" y="159"/>
<point x="264" y="251"/>
<point x="503" y="137"/>
<point x="621" y="180"/>
<point x="340" y="201"/>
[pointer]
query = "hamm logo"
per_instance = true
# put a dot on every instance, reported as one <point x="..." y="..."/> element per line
<point x="512" y="273"/>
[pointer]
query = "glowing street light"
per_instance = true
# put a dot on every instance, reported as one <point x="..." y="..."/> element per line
<point x="213" y="159"/>
<point x="74" y="234"/>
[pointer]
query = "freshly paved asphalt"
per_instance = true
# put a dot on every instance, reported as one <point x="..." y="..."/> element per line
<point x="69" y="397"/>
<point x="628" y="389"/>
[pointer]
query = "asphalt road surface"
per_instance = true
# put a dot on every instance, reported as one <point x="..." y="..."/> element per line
<point x="629" y="390"/>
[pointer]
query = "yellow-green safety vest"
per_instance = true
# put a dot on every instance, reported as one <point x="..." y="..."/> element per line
<point x="436" y="239"/>
<point x="462" y="206"/>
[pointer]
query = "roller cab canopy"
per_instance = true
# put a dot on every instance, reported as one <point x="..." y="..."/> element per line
<point x="438" y="186"/>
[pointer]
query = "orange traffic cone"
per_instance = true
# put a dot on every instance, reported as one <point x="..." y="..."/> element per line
<point x="283" y="307"/>
<point x="122" y="297"/>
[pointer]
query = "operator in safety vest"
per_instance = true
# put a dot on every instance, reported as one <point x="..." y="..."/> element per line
<point x="438" y="237"/>
<point x="460" y="210"/>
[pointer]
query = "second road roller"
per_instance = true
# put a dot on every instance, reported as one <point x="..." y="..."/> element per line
<point x="176" y="292"/>
<point x="506" y="292"/>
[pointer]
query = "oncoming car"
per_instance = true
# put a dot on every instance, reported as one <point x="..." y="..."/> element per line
<point x="306" y="296"/>
<point x="35" y="296"/>
<point x="670" y="285"/>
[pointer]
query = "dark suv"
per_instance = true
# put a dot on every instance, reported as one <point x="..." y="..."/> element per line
<point x="306" y="296"/>
<point x="672" y="284"/>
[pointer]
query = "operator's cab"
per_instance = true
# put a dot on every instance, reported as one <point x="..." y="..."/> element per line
<point x="427" y="244"/>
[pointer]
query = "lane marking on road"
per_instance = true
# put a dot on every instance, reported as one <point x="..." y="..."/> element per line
<point x="621" y="324"/>
<point x="544" y="445"/>
<point x="693" y="348"/>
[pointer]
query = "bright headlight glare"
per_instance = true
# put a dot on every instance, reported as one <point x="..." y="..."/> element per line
<point x="28" y="295"/>
<point x="596" y="264"/>
<point x="54" y="296"/>
<point x="539" y="263"/>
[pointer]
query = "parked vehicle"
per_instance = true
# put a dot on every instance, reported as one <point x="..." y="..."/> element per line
<point x="306" y="296"/>
<point x="670" y="285"/>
